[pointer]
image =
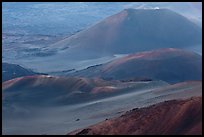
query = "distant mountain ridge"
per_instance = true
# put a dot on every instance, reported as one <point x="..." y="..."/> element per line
<point x="10" y="71"/>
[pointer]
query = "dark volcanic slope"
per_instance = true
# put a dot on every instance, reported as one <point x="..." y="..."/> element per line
<point x="166" y="118"/>
<point x="52" y="90"/>
<point x="10" y="71"/>
<point x="134" y="30"/>
<point x="170" y="65"/>
<point x="29" y="89"/>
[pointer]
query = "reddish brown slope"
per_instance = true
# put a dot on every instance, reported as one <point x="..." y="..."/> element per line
<point x="29" y="90"/>
<point x="170" y="65"/>
<point x="170" y="117"/>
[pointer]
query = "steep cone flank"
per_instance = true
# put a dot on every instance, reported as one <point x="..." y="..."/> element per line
<point x="134" y="30"/>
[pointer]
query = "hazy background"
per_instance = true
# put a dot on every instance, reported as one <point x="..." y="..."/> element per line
<point x="65" y="18"/>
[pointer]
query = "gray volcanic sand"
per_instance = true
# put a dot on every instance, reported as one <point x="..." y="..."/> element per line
<point x="63" y="119"/>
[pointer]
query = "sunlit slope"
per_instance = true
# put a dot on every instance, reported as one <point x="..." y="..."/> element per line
<point x="170" y="65"/>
